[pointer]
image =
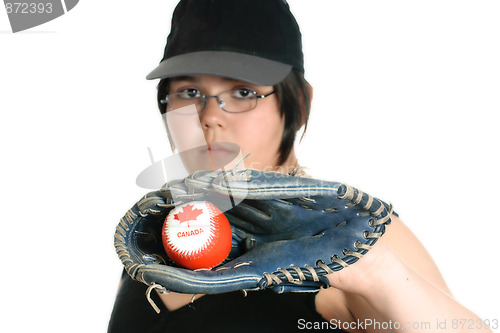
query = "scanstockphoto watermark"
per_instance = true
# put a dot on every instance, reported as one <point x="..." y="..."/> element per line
<point x="27" y="14"/>
<point x="431" y="326"/>
<point x="365" y="324"/>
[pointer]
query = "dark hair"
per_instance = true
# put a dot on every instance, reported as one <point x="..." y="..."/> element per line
<point x="295" y="104"/>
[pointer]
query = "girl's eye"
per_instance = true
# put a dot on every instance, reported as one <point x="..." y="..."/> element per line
<point x="189" y="93"/>
<point x="243" y="93"/>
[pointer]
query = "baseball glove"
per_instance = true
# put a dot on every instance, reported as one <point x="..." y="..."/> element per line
<point x="288" y="232"/>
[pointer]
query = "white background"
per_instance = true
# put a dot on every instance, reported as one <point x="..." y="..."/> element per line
<point x="406" y="103"/>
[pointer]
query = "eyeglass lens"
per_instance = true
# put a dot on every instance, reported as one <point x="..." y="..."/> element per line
<point x="229" y="101"/>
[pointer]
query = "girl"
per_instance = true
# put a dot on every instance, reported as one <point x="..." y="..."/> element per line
<point x="240" y="63"/>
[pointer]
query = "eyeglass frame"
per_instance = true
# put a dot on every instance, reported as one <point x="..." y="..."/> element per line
<point x="257" y="97"/>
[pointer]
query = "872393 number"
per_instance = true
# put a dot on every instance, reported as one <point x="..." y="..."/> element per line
<point x="471" y="324"/>
<point x="28" y="8"/>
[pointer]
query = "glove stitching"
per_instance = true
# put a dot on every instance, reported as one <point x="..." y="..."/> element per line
<point x="243" y="263"/>
<point x="325" y="267"/>
<point x="148" y="296"/>
<point x="289" y="276"/>
<point x="313" y="273"/>
<point x="299" y="272"/>
<point x="308" y="199"/>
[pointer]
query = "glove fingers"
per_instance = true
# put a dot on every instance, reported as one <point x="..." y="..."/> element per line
<point x="200" y="281"/>
<point x="303" y="271"/>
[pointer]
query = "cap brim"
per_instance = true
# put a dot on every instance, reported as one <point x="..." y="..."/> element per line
<point x="232" y="65"/>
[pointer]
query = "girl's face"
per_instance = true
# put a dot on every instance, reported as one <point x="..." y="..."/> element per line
<point x="258" y="131"/>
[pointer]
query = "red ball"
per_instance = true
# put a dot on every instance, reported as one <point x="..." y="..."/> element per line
<point x="197" y="235"/>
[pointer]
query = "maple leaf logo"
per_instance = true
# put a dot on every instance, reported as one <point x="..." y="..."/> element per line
<point x="188" y="214"/>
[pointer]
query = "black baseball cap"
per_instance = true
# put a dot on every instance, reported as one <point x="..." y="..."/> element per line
<point x="256" y="41"/>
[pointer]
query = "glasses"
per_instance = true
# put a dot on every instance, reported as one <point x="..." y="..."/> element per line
<point x="233" y="101"/>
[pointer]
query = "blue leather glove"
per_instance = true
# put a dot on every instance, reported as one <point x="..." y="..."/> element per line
<point x="288" y="232"/>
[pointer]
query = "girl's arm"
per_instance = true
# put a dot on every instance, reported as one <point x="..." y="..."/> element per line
<point x="397" y="287"/>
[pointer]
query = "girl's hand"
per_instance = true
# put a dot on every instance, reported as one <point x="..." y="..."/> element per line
<point x="370" y="272"/>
